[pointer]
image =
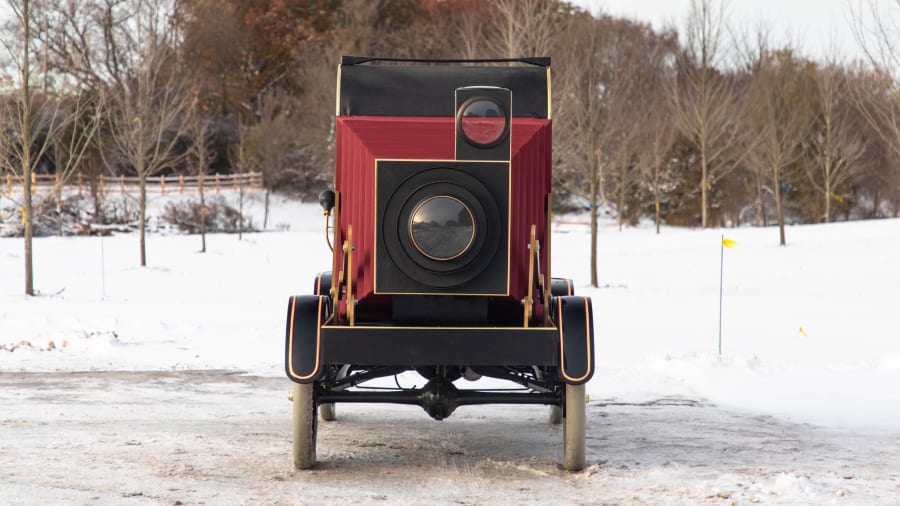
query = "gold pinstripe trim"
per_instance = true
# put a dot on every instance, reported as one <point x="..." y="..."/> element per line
<point x="549" y="96"/>
<point x="337" y="95"/>
<point x="438" y="160"/>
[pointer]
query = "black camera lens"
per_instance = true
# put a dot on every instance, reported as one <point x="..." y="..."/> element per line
<point x="483" y="122"/>
<point x="442" y="227"/>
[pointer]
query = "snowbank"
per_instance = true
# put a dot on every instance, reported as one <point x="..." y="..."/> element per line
<point x="810" y="331"/>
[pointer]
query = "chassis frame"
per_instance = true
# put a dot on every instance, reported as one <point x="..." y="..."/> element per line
<point x="330" y="364"/>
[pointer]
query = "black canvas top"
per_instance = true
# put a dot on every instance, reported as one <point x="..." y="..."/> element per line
<point x="417" y="88"/>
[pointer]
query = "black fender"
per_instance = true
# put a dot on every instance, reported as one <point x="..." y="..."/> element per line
<point x="574" y="317"/>
<point x="303" y="341"/>
<point x="322" y="284"/>
<point x="561" y="286"/>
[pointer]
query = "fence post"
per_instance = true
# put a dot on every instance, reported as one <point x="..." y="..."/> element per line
<point x="217" y="182"/>
<point x="79" y="183"/>
<point x="162" y="185"/>
<point x="181" y="183"/>
<point x="9" y="184"/>
<point x="236" y="182"/>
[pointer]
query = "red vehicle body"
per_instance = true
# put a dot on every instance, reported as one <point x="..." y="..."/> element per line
<point x="441" y="241"/>
<point x="361" y="140"/>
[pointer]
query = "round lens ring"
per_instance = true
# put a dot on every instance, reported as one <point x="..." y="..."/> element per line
<point x="483" y="121"/>
<point x="442" y="227"/>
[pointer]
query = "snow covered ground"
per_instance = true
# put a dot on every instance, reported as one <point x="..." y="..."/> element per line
<point x="811" y="332"/>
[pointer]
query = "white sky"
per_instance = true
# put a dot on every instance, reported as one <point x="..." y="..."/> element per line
<point x="810" y="24"/>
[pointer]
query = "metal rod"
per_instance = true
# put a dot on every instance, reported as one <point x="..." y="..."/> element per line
<point x="463" y="398"/>
<point x="327" y="228"/>
<point x="721" y="279"/>
<point x="102" y="270"/>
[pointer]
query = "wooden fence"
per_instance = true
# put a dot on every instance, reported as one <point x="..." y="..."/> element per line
<point x="122" y="184"/>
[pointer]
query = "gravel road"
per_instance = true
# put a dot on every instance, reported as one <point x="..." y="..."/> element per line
<point x="221" y="437"/>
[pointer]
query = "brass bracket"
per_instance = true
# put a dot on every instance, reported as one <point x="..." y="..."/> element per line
<point x="534" y="249"/>
<point x="327" y="229"/>
<point x="348" y="271"/>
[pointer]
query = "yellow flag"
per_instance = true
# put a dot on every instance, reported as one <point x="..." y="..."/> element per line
<point x="729" y="243"/>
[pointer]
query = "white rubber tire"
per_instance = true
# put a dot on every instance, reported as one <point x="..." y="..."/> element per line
<point x="555" y="415"/>
<point x="326" y="411"/>
<point x="304" y="426"/>
<point x="574" y="428"/>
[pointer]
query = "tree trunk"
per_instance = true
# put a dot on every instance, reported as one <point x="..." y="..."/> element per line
<point x="94" y="185"/>
<point x="827" y="200"/>
<point x="594" y="206"/>
<point x="759" y="205"/>
<point x="202" y="214"/>
<point x="26" y="149"/>
<point x="876" y="203"/>
<point x="59" y="226"/>
<point x="703" y="187"/>
<point x="779" y="211"/>
<point x="240" y="213"/>
<point x="29" y="230"/>
<point x="621" y="204"/>
<point x="142" y="204"/>
<point x="656" y="204"/>
<point x="266" y="210"/>
<point x="601" y="182"/>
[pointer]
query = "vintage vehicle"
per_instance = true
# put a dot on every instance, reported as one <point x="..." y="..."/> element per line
<point x="441" y="251"/>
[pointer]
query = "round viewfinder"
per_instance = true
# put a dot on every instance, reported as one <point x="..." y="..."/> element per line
<point x="483" y="121"/>
<point x="442" y="228"/>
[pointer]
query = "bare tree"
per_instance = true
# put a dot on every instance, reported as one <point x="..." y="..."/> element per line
<point x="647" y="132"/>
<point x="147" y="123"/>
<point x="658" y="135"/>
<point x="838" y="145"/>
<point x="587" y="120"/>
<point x="239" y="156"/>
<point x="83" y="118"/>
<point x="874" y="95"/>
<point x="316" y="133"/>
<point x="876" y="26"/>
<point x="30" y="120"/>
<point x="271" y="141"/>
<point x="877" y="29"/>
<point x="469" y="29"/>
<point x="704" y="100"/>
<point x="601" y="80"/>
<point x="200" y="155"/>
<point x="783" y="120"/>
<point x="525" y="27"/>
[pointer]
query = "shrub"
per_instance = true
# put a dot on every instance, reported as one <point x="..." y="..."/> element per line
<point x="220" y="217"/>
<point x="47" y="220"/>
